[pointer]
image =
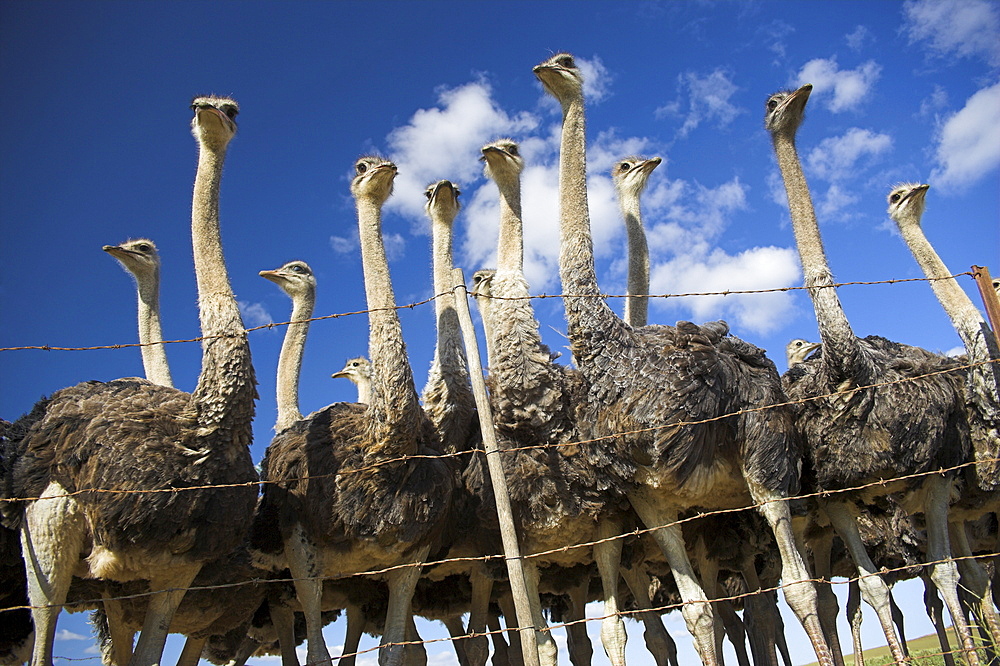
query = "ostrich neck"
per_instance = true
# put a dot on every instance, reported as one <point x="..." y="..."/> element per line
<point x="636" y="308"/>
<point x="510" y="243"/>
<point x="290" y="361"/>
<point x="589" y="315"/>
<point x="225" y="391"/>
<point x="448" y="394"/>
<point x="968" y="322"/>
<point x="841" y="350"/>
<point x="393" y="408"/>
<point x="154" y="356"/>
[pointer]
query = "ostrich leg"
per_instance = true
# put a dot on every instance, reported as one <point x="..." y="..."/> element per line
<point x="944" y="572"/>
<point x="581" y="652"/>
<point x="401" y="585"/>
<point x="608" y="554"/>
<point x="873" y="588"/>
<point x="160" y="612"/>
<point x="826" y="600"/>
<point x="477" y="649"/>
<point x="352" y="639"/>
<point x="854" y="618"/>
<point x="976" y="582"/>
<point x="697" y="610"/>
<point x="935" y="611"/>
<point x="658" y="641"/>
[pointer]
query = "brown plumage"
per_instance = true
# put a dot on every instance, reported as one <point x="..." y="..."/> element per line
<point x="640" y="381"/>
<point x="131" y="435"/>
<point x="341" y="495"/>
<point x="863" y="436"/>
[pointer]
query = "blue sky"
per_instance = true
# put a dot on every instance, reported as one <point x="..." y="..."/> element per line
<point x="96" y="148"/>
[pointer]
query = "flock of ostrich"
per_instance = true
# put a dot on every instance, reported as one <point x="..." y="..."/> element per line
<point x="140" y="503"/>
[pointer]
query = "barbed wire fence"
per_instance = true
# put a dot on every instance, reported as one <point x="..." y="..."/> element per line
<point x="957" y="367"/>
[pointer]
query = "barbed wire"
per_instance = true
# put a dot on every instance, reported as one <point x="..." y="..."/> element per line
<point x="415" y="304"/>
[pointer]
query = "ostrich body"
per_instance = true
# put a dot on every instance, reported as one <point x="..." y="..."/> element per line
<point x="857" y="437"/>
<point x="297" y="280"/>
<point x="359" y="371"/>
<point x="562" y="496"/>
<point x="643" y="380"/>
<point x="140" y="258"/>
<point x="342" y="494"/>
<point x="132" y="435"/>
<point x="630" y="176"/>
<point x="981" y="494"/>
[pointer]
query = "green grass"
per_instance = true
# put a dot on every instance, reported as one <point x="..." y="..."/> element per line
<point x="924" y="651"/>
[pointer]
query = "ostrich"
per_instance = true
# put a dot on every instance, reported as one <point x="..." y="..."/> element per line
<point x="132" y="435"/>
<point x="297" y="280"/>
<point x="630" y="176"/>
<point x="140" y="258"/>
<point x="640" y="382"/>
<point x="343" y="491"/>
<point x="359" y="371"/>
<point x="906" y="207"/>
<point x="900" y="429"/>
<point x="535" y="402"/>
<point x="798" y="350"/>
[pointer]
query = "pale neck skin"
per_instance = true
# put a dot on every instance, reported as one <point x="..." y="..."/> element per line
<point x="226" y="386"/>
<point x="448" y="394"/>
<point x="576" y="253"/>
<point x="965" y="317"/>
<point x="841" y="350"/>
<point x="290" y="360"/>
<point x="636" y="307"/>
<point x="510" y="241"/>
<point x="394" y="409"/>
<point x="154" y="356"/>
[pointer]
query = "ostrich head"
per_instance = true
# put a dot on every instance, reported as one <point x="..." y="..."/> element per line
<point x="786" y="109"/>
<point x="906" y="202"/>
<point x="358" y="370"/>
<point x="139" y="257"/>
<point x="798" y="350"/>
<point x="482" y="283"/>
<point x="631" y="174"/>
<point x="294" y="278"/>
<point x="373" y="178"/>
<point x="503" y="159"/>
<point x="214" y="122"/>
<point x="442" y="197"/>
<point x="560" y="77"/>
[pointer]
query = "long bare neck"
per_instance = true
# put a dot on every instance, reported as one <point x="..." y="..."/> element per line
<point x="841" y="350"/>
<point x="968" y="322"/>
<point x="510" y="241"/>
<point x="589" y="315"/>
<point x="636" y="304"/>
<point x="448" y="395"/>
<point x="225" y="391"/>
<point x="393" y="409"/>
<point x="290" y="360"/>
<point x="154" y="356"/>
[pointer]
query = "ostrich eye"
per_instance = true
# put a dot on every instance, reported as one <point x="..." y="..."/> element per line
<point x="624" y="167"/>
<point x="144" y="247"/>
<point x="895" y="197"/>
<point x="772" y="104"/>
<point x="565" y="61"/>
<point x="457" y="192"/>
<point x="512" y="149"/>
<point x="230" y="111"/>
<point x="361" y="167"/>
<point x="428" y="193"/>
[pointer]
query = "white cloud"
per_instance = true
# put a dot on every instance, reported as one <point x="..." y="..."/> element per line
<point x="444" y="142"/>
<point x="965" y="28"/>
<point x="934" y="102"/>
<point x="753" y="269"/>
<point x="969" y="141"/>
<point x="836" y="158"/>
<point x="345" y="244"/>
<point x="856" y="39"/>
<point x="254" y="314"/>
<point x="596" y="79"/>
<point x="708" y="100"/>
<point x="849" y="86"/>
<point x="66" y="635"/>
